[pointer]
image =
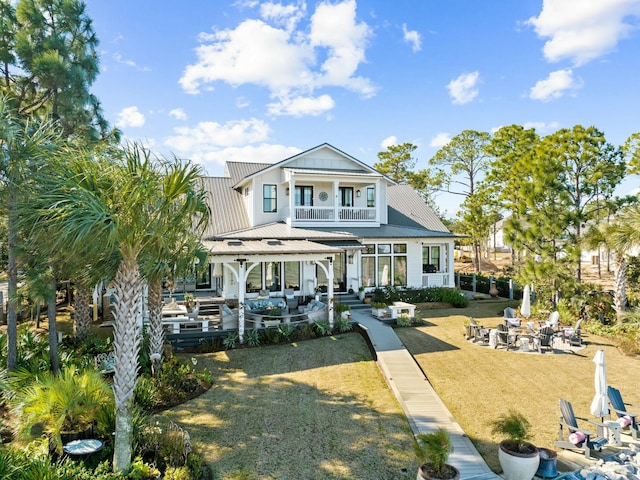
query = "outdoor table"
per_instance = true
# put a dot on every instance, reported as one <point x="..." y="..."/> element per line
<point x="83" y="447"/>
<point x="175" y="311"/>
<point x="399" y="307"/>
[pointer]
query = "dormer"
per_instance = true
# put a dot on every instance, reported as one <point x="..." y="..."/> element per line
<point x="321" y="187"/>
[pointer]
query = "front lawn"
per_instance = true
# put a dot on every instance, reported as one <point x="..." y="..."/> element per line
<point x="316" y="409"/>
<point x="477" y="383"/>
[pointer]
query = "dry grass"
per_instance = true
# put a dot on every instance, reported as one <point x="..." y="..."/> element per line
<point x="318" y="409"/>
<point x="478" y="383"/>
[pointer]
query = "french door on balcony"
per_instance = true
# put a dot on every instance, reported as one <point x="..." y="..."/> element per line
<point x="339" y="274"/>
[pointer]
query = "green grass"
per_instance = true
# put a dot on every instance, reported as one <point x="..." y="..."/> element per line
<point x="477" y="383"/>
<point x="315" y="409"/>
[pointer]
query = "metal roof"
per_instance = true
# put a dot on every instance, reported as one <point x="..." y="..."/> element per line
<point x="227" y="207"/>
<point x="284" y="231"/>
<point x="268" y="247"/>
<point x="407" y="208"/>
<point x="390" y="231"/>
<point x="239" y="170"/>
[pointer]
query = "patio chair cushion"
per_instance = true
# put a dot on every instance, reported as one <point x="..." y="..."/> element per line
<point x="226" y="310"/>
<point x="577" y="438"/>
<point x="625" y="421"/>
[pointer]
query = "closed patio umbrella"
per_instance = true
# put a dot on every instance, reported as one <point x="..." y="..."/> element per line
<point x="217" y="270"/>
<point x="525" y="307"/>
<point x="600" y="403"/>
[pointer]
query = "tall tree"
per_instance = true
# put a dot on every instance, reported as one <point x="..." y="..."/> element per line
<point x="48" y="61"/>
<point x="461" y="163"/>
<point x="397" y="162"/>
<point x="121" y="208"/>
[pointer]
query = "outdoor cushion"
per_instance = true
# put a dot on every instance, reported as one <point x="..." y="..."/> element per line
<point x="577" y="438"/>
<point x="226" y="310"/>
<point x="625" y="421"/>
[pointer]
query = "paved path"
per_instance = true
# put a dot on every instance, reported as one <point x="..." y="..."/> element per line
<point x="422" y="406"/>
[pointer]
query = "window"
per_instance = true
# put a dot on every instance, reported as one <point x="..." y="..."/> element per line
<point x="371" y="197"/>
<point x="272" y="277"/>
<point x="385" y="264"/>
<point x="303" y="196"/>
<point x="269" y="199"/>
<point x="430" y="259"/>
<point x="346" y="196"/>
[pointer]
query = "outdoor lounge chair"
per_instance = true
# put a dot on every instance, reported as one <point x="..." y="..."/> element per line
<point x="572" y="437"/>
<point x="503" y="337"/>
<point x="628" y="421"/>
<point x="292" y="301"/>
<point x="229" y="318"/>
<point x="572" y="335"/>
<point x="545" y="339"/>
<point x="479" y="333"/>
<point x="510" y="319"/>
<point x="552" y="321"/>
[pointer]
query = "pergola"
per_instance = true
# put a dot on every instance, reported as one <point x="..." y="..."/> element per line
<point x="240" y="257"/>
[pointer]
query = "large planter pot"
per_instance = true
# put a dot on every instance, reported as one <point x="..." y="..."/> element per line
<point x="424" y="472"/>
<point x="518" y="465"/>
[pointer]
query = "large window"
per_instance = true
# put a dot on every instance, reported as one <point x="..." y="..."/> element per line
<point x="292" y="275"/>
<point x="269" y="199"/>
<point x="272" y="277"/>
<point x="431" y="259"/>
<point x="385" y="264"/>
<point x="303" y="196"/>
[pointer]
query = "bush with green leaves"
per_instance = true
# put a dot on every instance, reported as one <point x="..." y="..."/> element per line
<point x="403" y="320"/>
<point x="142" y="471"/>
<point x="71" y="401"/>
<point x="343" y="325"/>
<point x="322" y="328"/>
<point x="286" y="331"/>
<point x="231" y="340"/>
<point x="252" y="337"/>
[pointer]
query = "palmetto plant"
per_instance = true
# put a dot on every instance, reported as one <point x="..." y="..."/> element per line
<point x="118" y="211"/>
<point x="68" y="402"/>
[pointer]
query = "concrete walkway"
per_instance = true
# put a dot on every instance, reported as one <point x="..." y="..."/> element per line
<point x="422" y="406"/>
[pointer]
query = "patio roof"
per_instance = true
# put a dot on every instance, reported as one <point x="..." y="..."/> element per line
<point x="302" y="248"/>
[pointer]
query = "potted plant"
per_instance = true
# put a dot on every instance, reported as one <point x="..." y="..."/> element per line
<point x="343" y="310"/>
<point x="379" y="309"/>
<point x="189" y="300"/>
<point x="518" y="458"/>
<point x="361" y="293"/>
<point x="434" y="449"/>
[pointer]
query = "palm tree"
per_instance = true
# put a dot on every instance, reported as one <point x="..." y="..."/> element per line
<point x="620" y="236"/>
<point x="120" y="208"/>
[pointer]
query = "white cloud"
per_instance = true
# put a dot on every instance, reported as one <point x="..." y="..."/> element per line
<point x="412" y="37"/>
<point x="285" y="60"/>
<point x="554" y="86"/>
<point x="130" y="117"/>
<point x="285" y="15"/>
<point x="542" y="127"/>
<point x="440" y="140"/>
<point x="178" y="114"/>
<point x="207" y="135"/>
<point x="129" y="63"/>
<point x="242" y="102"/>
<point x="463" y="89"/>
<point x="213" y="144"/>
<point x="301" y="106"/>
<point x="584" y="30"/>
<point x="387" y="142"/>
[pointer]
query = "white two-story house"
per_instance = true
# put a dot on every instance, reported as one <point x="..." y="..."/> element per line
<point x="320" y="220"/>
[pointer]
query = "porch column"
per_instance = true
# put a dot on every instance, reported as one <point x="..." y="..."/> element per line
<point x="242" y="285"/>
<point x="336" y="206"/>
<point x="330" y="291"/>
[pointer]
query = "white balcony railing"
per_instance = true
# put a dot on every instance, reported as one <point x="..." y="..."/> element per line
<point x="329" y="214"/>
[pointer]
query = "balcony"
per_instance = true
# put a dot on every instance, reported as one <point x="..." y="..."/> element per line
<point x="335" y="214"/>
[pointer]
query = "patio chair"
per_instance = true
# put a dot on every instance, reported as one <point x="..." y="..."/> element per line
<point x="572" y="335"/>
<point x="480" y="334"/>
<point x="552" y="321"/>
<point x="510" y="319"/>
<point x="229" y="318"/>
<point x="572" y="437"/>
<point x="503" y="337"/>
<point x="545" y="339"/>
<point x="292" y="301"/>
<point x="628" y="421"/>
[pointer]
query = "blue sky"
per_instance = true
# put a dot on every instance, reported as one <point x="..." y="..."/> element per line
<point x="259" y="81"/>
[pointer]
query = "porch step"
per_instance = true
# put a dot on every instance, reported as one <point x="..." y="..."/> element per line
<point x="352" y="300"/>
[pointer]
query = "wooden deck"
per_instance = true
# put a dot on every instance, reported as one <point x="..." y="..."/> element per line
<point x="422" y="406"/>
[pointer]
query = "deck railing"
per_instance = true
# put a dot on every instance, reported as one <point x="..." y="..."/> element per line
<point x="329" y="214"/>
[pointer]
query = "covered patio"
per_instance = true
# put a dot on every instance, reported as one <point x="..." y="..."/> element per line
<point x="238" y="261"/>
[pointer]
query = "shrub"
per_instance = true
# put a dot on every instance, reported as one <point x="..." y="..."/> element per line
<point x="322" y="328"/>
<point x="403" y="320"/>
<point x="252" y="337"/>
<point x="177" y="473"/>
<point x="286" y="331"/>
<point x="230" y="340"/>
<point x="142" y="471"/>
<point x="343" y="325"/>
